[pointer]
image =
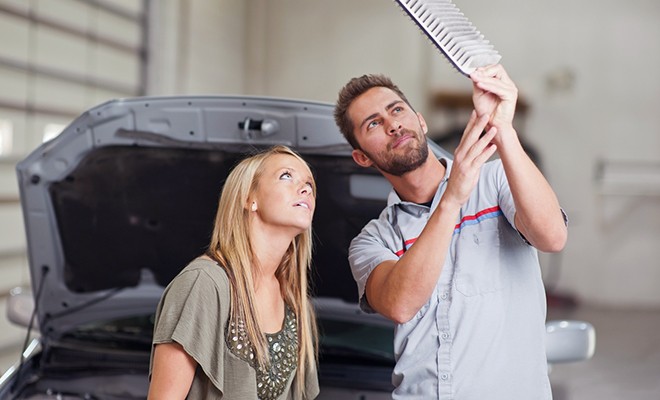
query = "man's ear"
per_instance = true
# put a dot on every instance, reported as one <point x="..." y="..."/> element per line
<point x="361" y="159"/>
<point x="422" y="123"/>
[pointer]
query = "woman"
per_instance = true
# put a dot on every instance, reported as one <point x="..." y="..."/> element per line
<point x="237" y="322"/>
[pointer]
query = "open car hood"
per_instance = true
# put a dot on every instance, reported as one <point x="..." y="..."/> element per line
<point x="126" y="195"/>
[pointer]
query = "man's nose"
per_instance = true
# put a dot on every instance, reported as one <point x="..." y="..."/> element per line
<point x="394" y="127"/>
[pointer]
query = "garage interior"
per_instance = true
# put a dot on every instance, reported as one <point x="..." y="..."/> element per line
<point x="587" y="113"/>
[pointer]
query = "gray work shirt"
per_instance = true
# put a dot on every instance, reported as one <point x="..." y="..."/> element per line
<point x="481" y="334"/>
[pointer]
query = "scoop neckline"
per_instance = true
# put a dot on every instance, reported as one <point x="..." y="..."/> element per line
<point x="287" y="312"/>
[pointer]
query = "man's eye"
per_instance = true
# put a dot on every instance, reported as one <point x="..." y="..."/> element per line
<point x="398" y="109"/>
<point x="372" y="124"/>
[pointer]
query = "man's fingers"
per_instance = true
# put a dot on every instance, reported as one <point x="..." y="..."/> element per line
<point x="473" y="130"/>
<point x="482" y="146"/>
<point x="497" y="87"/>
<point x="493" y="70"/>
<point x="467" y="165"/>
<point x="485" y="154"/>
<point x="472" y="138"/>
<point x="471" y="122"/>
<point x="469" y="126"/>
<point x="494" y="79"/>
<point x="472" y="134"/>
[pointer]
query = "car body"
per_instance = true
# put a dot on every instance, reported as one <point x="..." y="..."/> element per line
<point x="125" y="197"/>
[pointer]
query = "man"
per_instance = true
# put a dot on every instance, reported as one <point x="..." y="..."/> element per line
<point x="452" y="259"/>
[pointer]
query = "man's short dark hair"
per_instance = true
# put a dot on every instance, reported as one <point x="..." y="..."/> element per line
<point x="353" y="89"/>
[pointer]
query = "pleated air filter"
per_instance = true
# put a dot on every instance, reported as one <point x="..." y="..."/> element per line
<point x="447" y="27"/>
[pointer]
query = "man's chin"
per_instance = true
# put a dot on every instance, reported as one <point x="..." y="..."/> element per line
<point x="400" y="169"/>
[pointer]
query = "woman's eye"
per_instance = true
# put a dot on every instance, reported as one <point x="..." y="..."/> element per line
<point x="285" y="175"/>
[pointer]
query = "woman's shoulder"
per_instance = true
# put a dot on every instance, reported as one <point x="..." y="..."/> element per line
<point x="201" y="285"/>
<point x="205" y="269"/>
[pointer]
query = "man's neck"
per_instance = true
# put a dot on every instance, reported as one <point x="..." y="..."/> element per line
<point x="419" y="186"/>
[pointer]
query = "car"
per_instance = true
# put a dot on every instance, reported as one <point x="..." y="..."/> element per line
<point x="117" y="204"/>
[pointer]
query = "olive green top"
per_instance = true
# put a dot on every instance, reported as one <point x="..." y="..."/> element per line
<point x="194" y="312"/>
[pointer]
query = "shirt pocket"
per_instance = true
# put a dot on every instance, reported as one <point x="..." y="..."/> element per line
<point x="478" y="265"/>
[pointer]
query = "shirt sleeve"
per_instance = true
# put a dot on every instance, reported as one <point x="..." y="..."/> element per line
<point x="497" y="177"/>
<point x="368" y="250"/>
<point x="311" y="384"/>
<point x="505" y="198"/>
<point x="192" y="312"/>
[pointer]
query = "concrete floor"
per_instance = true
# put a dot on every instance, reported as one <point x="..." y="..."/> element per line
<point x="626" y="364"/>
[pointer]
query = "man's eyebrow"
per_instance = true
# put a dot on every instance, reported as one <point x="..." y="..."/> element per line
<point x="364" y="121"/>
<point x="393" y="104"/>
<point x="387" y="107"/>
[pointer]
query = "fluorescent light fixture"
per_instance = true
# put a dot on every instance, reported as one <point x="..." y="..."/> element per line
<point x="6" y="137"/>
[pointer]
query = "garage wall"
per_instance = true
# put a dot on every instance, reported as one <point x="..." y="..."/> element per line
<point x="57" y="58"/>
<point x="198" y="47"/>
<point x="584" y="68"/>
<point x="309" y="49"/>
<point x="61" y="57"/>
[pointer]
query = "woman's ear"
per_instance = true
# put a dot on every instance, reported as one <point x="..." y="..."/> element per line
<point x="361" y="159"/>
<point x="253" y="207"/>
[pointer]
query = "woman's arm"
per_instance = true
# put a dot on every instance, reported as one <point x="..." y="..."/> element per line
<point x="172" y="373"/>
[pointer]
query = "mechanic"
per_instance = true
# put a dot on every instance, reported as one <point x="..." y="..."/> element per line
<point x="452" y="259"/>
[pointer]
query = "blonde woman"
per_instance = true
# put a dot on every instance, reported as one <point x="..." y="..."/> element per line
<point x="237" y="322"/>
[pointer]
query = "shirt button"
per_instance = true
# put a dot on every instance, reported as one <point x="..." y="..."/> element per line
<point x="444" y="296"/>
<point x="445" y="336"/>
<point x="444" y="377"/>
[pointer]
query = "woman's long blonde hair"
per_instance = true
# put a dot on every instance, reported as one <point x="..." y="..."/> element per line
<point x="231" y="247"/>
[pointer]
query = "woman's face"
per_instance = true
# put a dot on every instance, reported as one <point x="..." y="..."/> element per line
<point x="284" y="196"/>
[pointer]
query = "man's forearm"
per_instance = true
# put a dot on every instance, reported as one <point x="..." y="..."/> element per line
<point x="400" y="289"/>
<point x="538" y="214"/>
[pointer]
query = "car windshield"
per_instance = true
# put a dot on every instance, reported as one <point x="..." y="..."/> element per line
<point x="352" y="341"/>
<point x="133" y="333"/>
<point x="341" y="341"/>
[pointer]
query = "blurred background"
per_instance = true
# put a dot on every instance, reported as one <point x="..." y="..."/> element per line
<point x="588" y="114"/>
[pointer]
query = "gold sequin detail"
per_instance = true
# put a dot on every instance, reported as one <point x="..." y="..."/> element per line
<point x="282" y="350"/>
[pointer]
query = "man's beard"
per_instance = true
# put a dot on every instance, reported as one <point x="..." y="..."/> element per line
<point x="398" y="165"/>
